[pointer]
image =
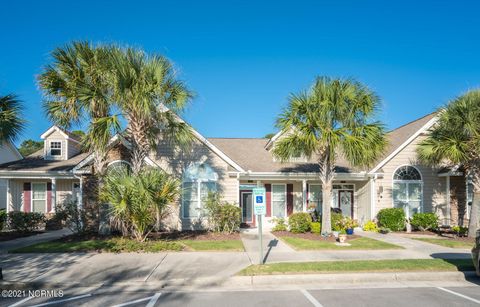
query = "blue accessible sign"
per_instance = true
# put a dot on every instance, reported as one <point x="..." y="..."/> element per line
<point x="259" y="206"/>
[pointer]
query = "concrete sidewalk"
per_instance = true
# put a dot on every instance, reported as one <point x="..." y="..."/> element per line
<point x="5" y="246"/>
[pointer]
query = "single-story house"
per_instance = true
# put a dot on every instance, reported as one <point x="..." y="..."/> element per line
<point x="234" y="166"/>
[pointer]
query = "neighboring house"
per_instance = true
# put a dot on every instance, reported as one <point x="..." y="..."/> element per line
<point x="8" y="153"/>
<point x="234" y="166"/>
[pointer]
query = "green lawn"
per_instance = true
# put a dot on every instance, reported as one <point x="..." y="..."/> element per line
<point x="447" y="242"/>
<point x="359" y="266"/>
<point x="214" y="245"/>
<point x="358" y="243"/>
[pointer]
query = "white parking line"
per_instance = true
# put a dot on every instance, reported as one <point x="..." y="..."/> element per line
<point x="311" y="298"/>
<point x="151" y="301"/>
<point x="459" y="294"/>
<point x="22" y="301"/>
<point x="65" y="300"/>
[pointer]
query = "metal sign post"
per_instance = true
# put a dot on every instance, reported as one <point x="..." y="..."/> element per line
<point x="260" y="210"/>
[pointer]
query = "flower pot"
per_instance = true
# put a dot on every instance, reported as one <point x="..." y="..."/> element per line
<point x="335" y="233"/>
<point x="342" y="238"/>
<point x="350" y="231"/>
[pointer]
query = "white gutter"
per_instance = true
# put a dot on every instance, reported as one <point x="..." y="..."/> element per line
<point x="298" y="176"/>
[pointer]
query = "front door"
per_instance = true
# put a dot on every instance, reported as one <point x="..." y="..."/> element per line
<point x="345" y="202"/>
<point x="247" y="208"/>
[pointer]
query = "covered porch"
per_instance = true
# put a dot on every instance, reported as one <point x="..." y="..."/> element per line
<point x="290" y="193"/>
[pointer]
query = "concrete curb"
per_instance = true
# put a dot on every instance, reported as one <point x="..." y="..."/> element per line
<point x="261" y="281"/>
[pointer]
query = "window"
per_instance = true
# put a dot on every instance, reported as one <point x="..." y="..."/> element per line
<point x="55" y="149"/>
<point x="315" y="196"/>
<point x="408" y="190"/>
<point x="469" y="197"/>
<point x="119" y="165"/>
<point x="279" y="200"/>
<point x="39" y="197"/>
<point x="198" y="181"/>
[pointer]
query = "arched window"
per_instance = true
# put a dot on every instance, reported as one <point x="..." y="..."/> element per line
<point x="408" y="190"/>
<point x="119" y="164"/>
<point x="198" y="180"/>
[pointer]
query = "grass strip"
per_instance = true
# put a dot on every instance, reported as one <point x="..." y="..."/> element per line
<point x="214" y="245"/>
<point x="447" y="242"/>
<point x="355" y="244"/>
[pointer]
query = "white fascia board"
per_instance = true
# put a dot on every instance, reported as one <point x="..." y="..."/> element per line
<point x="425" y="127"/>
<point x="35" y="175"/>
<point x="299" y="176"/>
<point x="273" y="139"/>
<point x="56" y="128"/>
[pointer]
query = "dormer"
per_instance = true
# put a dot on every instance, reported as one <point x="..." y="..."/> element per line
<point x="59" y="144"/>
<point x="271" y="144"/>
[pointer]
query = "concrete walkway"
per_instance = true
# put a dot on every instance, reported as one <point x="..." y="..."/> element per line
<point x="25" y="241"/>
<point x="271" y="245"/>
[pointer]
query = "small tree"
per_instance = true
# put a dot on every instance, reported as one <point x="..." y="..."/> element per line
<point x="12" y="123"/>
<point x="455" y="141"/>
<point x="222" y="216"/>
<point x="138" y="201"/>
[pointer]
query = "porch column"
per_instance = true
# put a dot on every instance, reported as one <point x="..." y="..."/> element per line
<point x="448" y="209"/>
<point x="80" y="195"/>
<point x="259" y="184"/>
<point x="304" y="195"/>
<point x="8" y="195"/>
<point x="54" y="194"/>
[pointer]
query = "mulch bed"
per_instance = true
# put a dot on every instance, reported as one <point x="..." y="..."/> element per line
<point x="11" y="235"/>
<point x="194" y="235"/>
<point x="310" y="236"/>
<point x="165" y="236"/>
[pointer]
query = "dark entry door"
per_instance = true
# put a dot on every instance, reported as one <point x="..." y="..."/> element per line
<point x="345" y="202"/>
<point x="247" y="207"/>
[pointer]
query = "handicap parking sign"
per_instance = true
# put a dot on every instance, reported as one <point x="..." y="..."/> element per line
<point x="259" y="205"/>
<point x="259" y="199"/>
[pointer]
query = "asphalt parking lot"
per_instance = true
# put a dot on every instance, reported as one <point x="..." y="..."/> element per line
<point x="425" y="297"/>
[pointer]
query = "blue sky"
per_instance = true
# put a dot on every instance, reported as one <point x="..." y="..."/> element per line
<point x="243" y="58"/>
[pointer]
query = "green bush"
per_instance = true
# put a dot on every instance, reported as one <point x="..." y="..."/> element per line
<point x="3" y="218"/>
<point x="391" y="218"/>
<point x="315" y="227"/>
<point x="299" y="222"/>
<point x="460" y="230"/>
<point x="370" y="226"/>
<point x="384" y="230"/>
<point x="222" y="216"/>
<point x="338" y="221"/>
<point x="425" y="221"/>
<point x="280" y="225"/>
<point x="25" y="221"/>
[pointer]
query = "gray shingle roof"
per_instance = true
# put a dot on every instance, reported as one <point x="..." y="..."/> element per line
<point x="36" y="162"/>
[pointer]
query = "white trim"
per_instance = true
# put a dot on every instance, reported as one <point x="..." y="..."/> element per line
<point x="49" y="150"/>
<point x="425" y="127"/>
<point x="121" y="161"/>
<point x="407" y="182"/>
<point x="56" y="128"/>
<point x="286" y="199"/>
<point x="373" y="196"/>
<point x="299" y="176"/>
<point x="53" y="190"/>
<point x="310" y="191"/>
<point x="8" y="195"/>
<point x="199" y="198"/>
<point x="304" y="195"/>
<point x="273" y="139"/>
<point x="31" y="196"/>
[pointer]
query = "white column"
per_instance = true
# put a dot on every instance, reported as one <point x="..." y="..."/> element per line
<point x="80" y="195"/>
<point x="8" y="195"/>
<point x="373" y="196"/>
<point x="448" y="215"/>
<point x="54" y="194"/>
<point x="304" y="195"/>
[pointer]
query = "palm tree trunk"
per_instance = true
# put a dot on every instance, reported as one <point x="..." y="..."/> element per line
<point x="326" y="207"/>
<point x="473" y="222"/>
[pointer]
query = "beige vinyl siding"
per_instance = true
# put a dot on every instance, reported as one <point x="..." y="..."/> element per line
<point x="433" y="186"/>
<point x="73" y="149"/>
<point x="64" y="191"/>
<point x="55" y="136"/>
<point x="175" y="161"/>
<point x="362" y="202"/>
<point x="7" y="153"/>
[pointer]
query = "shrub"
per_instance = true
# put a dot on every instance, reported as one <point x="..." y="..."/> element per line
<point x="370" y="226"/>
<point x="75" y="218"/>
<point x="315" y="227"/>
<point x="299" y="222"/>
<point x="460" y="230"/>
<point x="25" y="221"/>
<point x="392" y="218"/>
<point x="280" y="224"/>
<point x="384" y="230"/>
<point x="3" y="218"/>
<point x="338" y="221"/>
<point x="425" y="221"/>
<point x="350" y="223"/>
<point x="222" y="216"/>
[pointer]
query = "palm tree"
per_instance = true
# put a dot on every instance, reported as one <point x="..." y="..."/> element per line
<point x="149" y="96"/>
<point x="77" y="88"/>
<point x="11" y="122"/>
<point x="335" y="117"/>
<point x="454" y="141"/>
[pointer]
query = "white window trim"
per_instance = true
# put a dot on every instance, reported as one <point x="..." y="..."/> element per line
<point x="286" y="199"/>
<point x="310" y="190"/>
<point x="49" y="149"/>
<point x="119" y="161"/>
<point x="407" y="182"/>
<point x="31" y="196"/>
<point x="199" y="198"/>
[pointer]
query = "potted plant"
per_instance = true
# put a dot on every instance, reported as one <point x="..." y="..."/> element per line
<point x="342" y="237"/>
<point x="350" y="224"/>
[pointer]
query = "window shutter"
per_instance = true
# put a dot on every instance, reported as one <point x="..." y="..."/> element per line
<point x="289" y="199"/>
<point x="268" y="196"/>
<point x="49" y="197"/>
<point x="27" y="196"/>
